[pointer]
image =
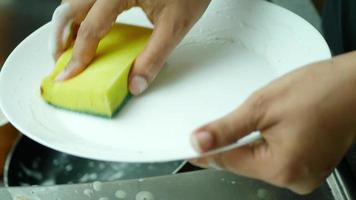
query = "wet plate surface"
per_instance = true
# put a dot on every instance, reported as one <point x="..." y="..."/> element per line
<point x="3" y="119"/>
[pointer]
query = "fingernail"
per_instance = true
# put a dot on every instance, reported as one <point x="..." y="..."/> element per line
<point x="61" y="11"/>
<point x="60" y="15"/>
<point x="52" y="44"/>
<point x="61" y="76"/>
<point x="202" y="141"/>
<point x="138" y="85"/>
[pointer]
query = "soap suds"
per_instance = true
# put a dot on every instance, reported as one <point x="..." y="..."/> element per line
<point x="68" y="167"/>
<point x="97" y="186"/>
<point x="144" y="195"/>
<point x="88" y="192"/>
<point x="102" y="166"/>
<point x="120" y="194"/>
<point x="88" y="177"/>
<point x="262" y="194"/>
<point x="118" y="175"/>
<point x="48" y="182"/>
<point x="36" y="163"/>
<point x="31" y="173"/>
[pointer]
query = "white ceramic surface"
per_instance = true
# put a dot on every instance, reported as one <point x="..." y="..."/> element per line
<point x="237" y="47"/>
<point x="3" y="119"/>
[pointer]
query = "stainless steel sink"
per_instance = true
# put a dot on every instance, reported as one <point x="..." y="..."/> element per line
<point x="18" y="18"/>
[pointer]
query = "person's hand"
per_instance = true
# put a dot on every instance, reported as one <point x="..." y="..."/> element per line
<point x="308" y="122"/>
<point x="89" y="20"/>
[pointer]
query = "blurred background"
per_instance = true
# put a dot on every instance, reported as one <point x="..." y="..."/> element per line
<point x="18" y="19"/>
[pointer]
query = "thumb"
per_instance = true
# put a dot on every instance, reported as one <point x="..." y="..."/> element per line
<point x="230" y="128"/>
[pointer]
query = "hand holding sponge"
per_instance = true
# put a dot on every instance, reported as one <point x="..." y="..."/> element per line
<point x="103" y="86"/>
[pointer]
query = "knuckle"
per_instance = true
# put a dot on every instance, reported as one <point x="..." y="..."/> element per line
<point x="143" y="63"/>
<point x="258" y="104"/>
<point x="148" y="67"/>
<point x="181" y="26"/>
<point x="258" y="100"/>
<point x="88" y="31"/>
<point x="218" y="130"/>
<point x="79" y="59"/>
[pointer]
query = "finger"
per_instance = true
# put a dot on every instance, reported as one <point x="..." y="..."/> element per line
<point x="61" y="23"/>
<point x="230" y="128"/>
<point x="169" y="30"/>
<point x="218" y="161"/>
<point x="64" y="18"/>
<point x="95" y="26"/>
<point x="246" y="161"/>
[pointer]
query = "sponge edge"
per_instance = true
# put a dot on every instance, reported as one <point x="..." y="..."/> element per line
<point x="103" y="86"/>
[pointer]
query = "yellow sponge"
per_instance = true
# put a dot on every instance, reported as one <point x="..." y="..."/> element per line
<point x="102" y="87"/>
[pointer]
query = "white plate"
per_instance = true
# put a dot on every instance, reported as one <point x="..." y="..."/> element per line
<point x="237" y="47"/>
<point x="3" y="119"/>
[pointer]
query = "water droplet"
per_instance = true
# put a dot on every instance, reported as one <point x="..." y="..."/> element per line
<point x="262" y="193"/>
<point x="48" y="182"/>
<point x="102" y="166"/>
<point x="36" y="163"/>
<point x="103" y="198"/>
<point x="68" y="167"/>
<point x="55" y="162"/>
<point x="93" y="176"/>
<point x="120" y="194"/>
<point x="91" y="164"/>
<point x="118" y="175"/>
<point x="144" y="195"/>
